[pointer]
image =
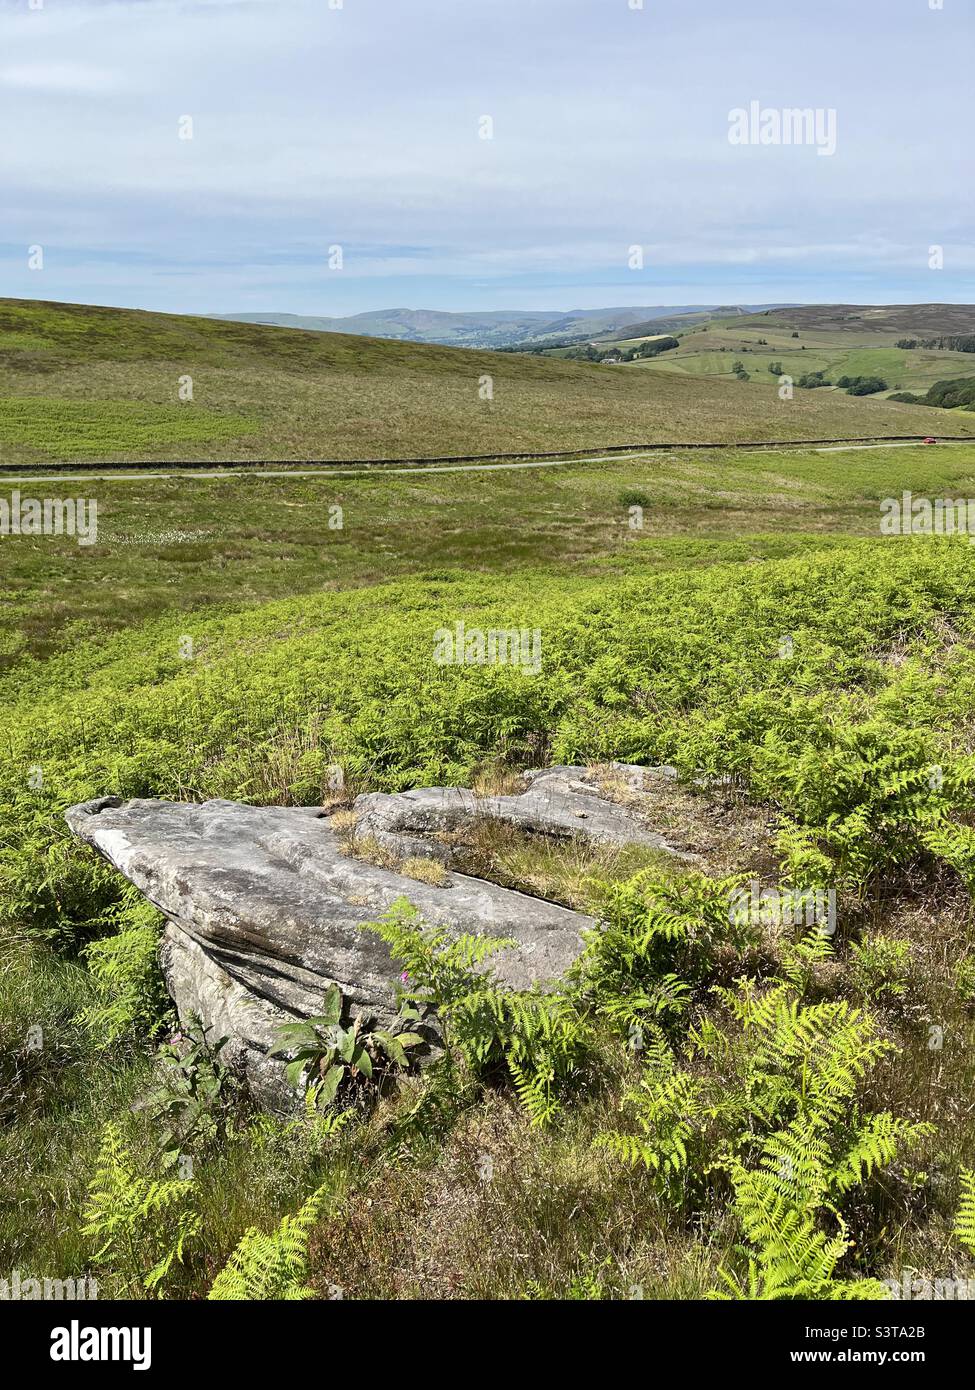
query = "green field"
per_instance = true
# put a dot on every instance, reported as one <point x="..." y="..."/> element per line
<point x="99" y="429"/>
<point x="662" y="643"/>
<point x="713" y="354"/>
<point x="838" y="342"/>
<point x="81" y="383"/>
<point x="901" y="369"/>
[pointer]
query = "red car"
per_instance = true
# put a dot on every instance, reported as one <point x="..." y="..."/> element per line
<point x="929" y="440"/>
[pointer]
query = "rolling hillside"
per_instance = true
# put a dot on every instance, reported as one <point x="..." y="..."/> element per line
<point x="683" y="320"/>
<point x="413" y="325"/>
<point x="871" y="319"/>
<point x="83" y="383"/>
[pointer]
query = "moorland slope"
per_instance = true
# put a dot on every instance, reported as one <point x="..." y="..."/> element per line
<point x="80" y="382"/>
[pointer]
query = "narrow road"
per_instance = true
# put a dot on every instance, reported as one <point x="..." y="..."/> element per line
<point x="341" y="471"/>
<point x="850" y="448"/>
<point x="316" y="472"/>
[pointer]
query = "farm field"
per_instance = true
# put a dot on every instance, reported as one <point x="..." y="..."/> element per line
<point x="833" y="345"/>
<point x="902" y="370"/>
<point x="80" y="383"/>
<point x="755" y="630"/>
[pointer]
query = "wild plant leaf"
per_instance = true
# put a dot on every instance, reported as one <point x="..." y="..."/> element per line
<point x="330" y="1083"/>
<point x="393" y="1049"/>
<point x="294" y="1071"/>
<point x="332" y="1006"/>
<point x="292" y="1035"/>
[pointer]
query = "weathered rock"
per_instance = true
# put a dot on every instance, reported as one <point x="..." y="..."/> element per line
<point x="559" y="802"/>
<point x="265" y="910"/>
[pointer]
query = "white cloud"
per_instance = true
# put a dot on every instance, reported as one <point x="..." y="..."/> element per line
<point x="74" y="78"/>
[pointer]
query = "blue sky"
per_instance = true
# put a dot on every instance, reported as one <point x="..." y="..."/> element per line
<point x="359" y="126"/>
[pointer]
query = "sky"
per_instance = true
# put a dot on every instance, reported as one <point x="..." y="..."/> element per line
<point x="361" y="125"/>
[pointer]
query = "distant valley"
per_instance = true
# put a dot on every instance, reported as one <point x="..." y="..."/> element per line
<point x="495" y="328"/>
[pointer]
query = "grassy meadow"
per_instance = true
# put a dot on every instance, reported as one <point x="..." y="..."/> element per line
<point x="813" y="683"/>
<point x="182" y="542"/>
<point x="903" y="370"/>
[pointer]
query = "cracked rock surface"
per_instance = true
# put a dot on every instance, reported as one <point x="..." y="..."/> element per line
<point x="558" y="802"/>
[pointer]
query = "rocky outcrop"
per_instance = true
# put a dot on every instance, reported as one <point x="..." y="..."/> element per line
<point x="265" y="908"/>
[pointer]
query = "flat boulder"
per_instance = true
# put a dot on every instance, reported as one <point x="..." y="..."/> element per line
<point x="265" y="909"/>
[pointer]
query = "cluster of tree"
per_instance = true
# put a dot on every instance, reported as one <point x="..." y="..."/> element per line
<point x="576" y="351"/>
<point x="810" y="380"/>
<point x="862" y="385"/>
<point x="546" y="345"/>
<point x="739" y="370"/>
<point x="963" y="342"/>
<point x="653" y="348"/>
<point x="947" y="395"/>
<point x="584" y="352"/>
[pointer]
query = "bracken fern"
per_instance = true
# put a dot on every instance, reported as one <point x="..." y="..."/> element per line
<point x="965" y="1220"/>
<point x="136" y="1221"/>
<point x="272" y="1265"/>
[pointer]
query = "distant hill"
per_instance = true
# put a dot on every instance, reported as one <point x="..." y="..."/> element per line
<point x="678" y="319"/>
<point x="892" y="319"/>
<point x="488" y="328"/>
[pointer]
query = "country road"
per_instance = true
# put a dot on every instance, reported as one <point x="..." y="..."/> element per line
<point x="353" y="470"/>
<point x="850" y="448"/>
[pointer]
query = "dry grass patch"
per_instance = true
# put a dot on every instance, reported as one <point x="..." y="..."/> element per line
<point x="718" y="825"/>
<point x="368" y="849"/>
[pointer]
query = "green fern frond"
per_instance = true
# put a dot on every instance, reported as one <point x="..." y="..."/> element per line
<point x="534" y="1088"/>
<point x="783" y="1203"/>
<point x="965" y="1221"/>
<point x="875" y="1144"/>
<point x="135" y="1221"/>
<point x="667" y="1108"/>
<point x="273" y="1265"/>
<point x="130" y="995"/>
<point x="540" y="1036"/>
